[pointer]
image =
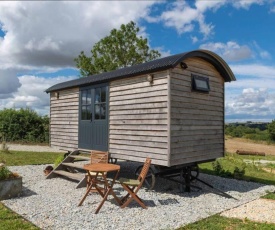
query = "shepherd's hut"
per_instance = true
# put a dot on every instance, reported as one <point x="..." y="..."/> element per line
<point x="170" y="109"/>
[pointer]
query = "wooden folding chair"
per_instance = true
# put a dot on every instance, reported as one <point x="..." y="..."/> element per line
<point x="132" y="186"/>
<point x="97" y="157"/>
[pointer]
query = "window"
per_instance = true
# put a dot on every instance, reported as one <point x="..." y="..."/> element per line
<point x="200" y="83"/>
<point x="93" y="103"/>
<point x="100" y="103"/>
<point x="86" y="102"/>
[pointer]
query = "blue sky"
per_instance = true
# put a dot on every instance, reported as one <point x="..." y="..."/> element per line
<point x="39" y="40"/>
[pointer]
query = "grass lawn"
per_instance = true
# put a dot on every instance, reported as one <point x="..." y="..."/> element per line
<point x="218" y="222"/>
<point x="270" y="195"/>
<point x="11" y="221"/>
<point x="28" y="158"/>
<point x="253" y="171"/>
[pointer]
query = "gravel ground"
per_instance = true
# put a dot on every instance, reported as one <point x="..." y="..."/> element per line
<point x="52" y="204"/>
<point x="261" y="210"/>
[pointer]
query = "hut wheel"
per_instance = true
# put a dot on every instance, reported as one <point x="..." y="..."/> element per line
<point x="150" y="179"/>
<point x="194" y="172"/>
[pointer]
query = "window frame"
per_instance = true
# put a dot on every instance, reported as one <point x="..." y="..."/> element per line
<point x="196" y="87"/>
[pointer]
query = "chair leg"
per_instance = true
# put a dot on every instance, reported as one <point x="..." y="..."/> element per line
<point x="124" y="199"/>
<point x="138" y="200"/>
<point x="133" y="196"/>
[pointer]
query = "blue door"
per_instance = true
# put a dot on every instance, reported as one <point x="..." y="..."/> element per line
<point x="93" y="118"/>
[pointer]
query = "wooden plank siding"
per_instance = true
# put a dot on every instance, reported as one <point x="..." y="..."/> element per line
<point x="138" y="115"/>
<point x="64" y="119"/>
<point x="197" y="119"/>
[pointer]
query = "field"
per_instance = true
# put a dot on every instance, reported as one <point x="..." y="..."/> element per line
<point x="234" y="144"/>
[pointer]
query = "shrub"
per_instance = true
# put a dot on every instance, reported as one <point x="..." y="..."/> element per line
<point x="271" y="130"/>
<point x="23" y="125"/>
<point x="239" y="172"/>
<point x="5" y="173"/>
<point x="219" y="171"/>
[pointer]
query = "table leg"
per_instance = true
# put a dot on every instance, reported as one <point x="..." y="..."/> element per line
<point x="92" y="180"/>
<point x="109" y="190"/>
<point x="86" y="194"/>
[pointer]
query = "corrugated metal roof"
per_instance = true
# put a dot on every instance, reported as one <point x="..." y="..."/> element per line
<point x="149" y="67"/>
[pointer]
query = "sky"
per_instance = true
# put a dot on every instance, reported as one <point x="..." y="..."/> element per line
<point x="40" y="39"/>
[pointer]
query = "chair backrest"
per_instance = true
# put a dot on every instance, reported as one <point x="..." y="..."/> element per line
<point x="99" y="157"/>
<point x="144" y="170"/>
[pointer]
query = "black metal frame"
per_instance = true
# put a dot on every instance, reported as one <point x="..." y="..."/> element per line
<point x="184" y="172"/>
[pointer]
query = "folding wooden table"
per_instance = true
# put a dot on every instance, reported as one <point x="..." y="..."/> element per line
<point x="101" y="169"/>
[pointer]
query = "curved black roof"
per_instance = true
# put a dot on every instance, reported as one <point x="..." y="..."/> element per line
<point x="150" y="67"/>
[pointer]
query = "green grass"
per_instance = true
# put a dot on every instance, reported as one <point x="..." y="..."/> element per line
<point x="218" y="222"/>
<point x="10" y="220"/>
<point x="28" y="158"/>
<point x="253" y="172"/>
<point x="270" y="195"/>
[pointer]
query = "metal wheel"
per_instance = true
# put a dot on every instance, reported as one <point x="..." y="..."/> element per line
<point x="150" y="179"/>
<point x="194" y="172"/>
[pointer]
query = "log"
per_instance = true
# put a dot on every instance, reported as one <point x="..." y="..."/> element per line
<point x="243" y="152"/>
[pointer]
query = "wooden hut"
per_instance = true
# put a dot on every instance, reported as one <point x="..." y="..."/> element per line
<point x="170" y="109"/>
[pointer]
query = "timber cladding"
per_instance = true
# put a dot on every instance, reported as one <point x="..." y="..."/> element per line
<point x="167" y="120"/>
<point x="197" y="118"/>
<point x="138" y="112"/>
<point x="64" y="119"/>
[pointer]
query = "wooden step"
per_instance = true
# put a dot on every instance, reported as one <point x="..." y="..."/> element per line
<point x="74" y="176"/>
<point x="75" y="165"/>
<point x="85" y="151"/>
<point x="80" y="157"/>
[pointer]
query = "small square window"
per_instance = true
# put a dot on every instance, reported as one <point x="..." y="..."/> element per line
<point x="200" y="83"/>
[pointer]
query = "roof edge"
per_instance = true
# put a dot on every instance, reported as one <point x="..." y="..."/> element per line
<point x="215" y="60"/>
<point x="150" y="67"/>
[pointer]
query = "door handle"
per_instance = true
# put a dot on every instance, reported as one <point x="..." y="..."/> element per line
<point x="91" y="117"/>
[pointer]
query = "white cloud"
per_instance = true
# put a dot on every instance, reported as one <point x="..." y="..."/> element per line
<point x="9" y="82"/>
<point x="254" y="70"/>
<point x="163" y="52"/>
<point x="184" y="18"/>
<point x="202" y="6"/>
<point x="262" y="53"/>
<point x="48" y="35"/>
<point x="194" y="39"/>
<point x="252" y="102"/>
<point x="245" y="4"/>
<point x="252" y="96"/>
<point x="265" y="55"/>
<point x="230" y="51"/>
<point x="52" y="33"/>
<point x="32" y="94"/>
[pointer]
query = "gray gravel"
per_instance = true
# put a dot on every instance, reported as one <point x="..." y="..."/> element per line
<point x="52" y="204"/>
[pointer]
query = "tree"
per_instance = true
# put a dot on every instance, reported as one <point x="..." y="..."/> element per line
<point x="120" y="49"/>
<point x="271" y="130"/>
